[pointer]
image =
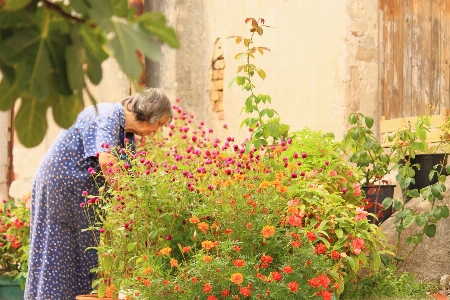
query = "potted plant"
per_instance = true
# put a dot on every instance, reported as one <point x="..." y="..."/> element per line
<point x="14" y="246"/>
<point x="418" y="164"/>
<point x="204" y="219"/>
<point x="363" y="149"/>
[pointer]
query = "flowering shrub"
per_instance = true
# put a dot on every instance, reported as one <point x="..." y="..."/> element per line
<point x="15" y="236"/>
<point x="200" y="218"/>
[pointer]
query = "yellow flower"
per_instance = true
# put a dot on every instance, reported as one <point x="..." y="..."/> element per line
<point x="166" y="251"/>
<point x="237" y="278"/>
<point x="268" y="231"/>
<point x="264" y="184"/>
<point x="280" y="175"/>
<point x="208" y="245"/>
<point x="147" y="270"/>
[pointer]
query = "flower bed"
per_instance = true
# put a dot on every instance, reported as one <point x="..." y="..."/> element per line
<point x="202" y="218"/>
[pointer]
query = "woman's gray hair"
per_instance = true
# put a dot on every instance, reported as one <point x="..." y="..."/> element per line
<point x="151" y="106"/>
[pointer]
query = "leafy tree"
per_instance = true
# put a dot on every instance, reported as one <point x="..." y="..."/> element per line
<point x="49" y="49"/>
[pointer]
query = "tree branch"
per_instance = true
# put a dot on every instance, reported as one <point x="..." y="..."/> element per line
<point x="58" y="9"/>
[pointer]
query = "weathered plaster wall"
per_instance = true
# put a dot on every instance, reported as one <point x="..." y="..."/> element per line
<point x="323" y="60"/>
<point x="113" y="88"/>
<point x="357" y="79"/>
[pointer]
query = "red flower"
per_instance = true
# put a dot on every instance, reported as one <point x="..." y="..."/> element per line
<point x="277" y="276"/>
<point x="266" y="259"/>
<point x="295" y="244"/>
<point x="225" y="293"/>
<point x="335" y="254"/>
<point x="239" y="263"/>
<point x="326" y="295"/>
<point x="295" y="221"/>
<point x="293" y="286"/>
<point x="321" y="248"/>
<point x="211" y="297"/>
<point x="315" y="282"/>
<point x="245" y="291"/>
<point x="311" y="236"/>
<point x="288" y="269"/>
<point x="207" y="288"/>
<point x="324" y="280"/>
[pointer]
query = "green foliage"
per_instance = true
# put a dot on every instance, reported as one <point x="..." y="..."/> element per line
<point x="210" y="218"/>
<point x="363" y="149"/>
<point x="15" y="244"/>
<point x="257" y="124"/>
<point x="386" y="283"/>
<point x="50" y="49"/>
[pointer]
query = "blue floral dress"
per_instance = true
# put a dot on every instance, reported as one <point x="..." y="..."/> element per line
<point x="59" y="265"/>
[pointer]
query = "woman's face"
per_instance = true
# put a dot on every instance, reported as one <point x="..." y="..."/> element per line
<point x="144" y="128"/>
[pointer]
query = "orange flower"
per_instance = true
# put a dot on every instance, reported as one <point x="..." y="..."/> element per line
<point x="194" y="279"/>
<point x="236" y="248"/>
<point x="268" y="231"/>
<point x="207" y="288"/>
<point x="147" y="270"/>
<point x="145" y="281"/>
<point x="186" y="249"/>
<point x="237" y="278"/>
<point x="264" y="185"/>
<point x="295" y="244"/>
<point x="293" y="286"/>
<point x="110" y="290"/>
<point x="173" y="262"/>
<point x="194" y="220"/>
<point x="228" y="231"/>
<point x="282" y="189"/>
<point x="207" y="258"/>
<point x="208" y="245"/>
<point x="280" y="175"/>
<point x="288" y="269"/>
<point x="166" y="282"/>
<point x="165" y="251"/>
<point x="203" y="226"/>
<point x="239" y="263"/>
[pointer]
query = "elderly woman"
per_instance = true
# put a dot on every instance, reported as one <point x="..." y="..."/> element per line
<point x="59" y="265"/>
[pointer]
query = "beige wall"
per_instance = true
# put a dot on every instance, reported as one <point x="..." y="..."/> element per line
<point x="4" y="137"/>
<point x="323" y="61"/>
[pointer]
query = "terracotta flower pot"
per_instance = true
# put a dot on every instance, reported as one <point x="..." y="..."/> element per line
<point x="90" y="297"/>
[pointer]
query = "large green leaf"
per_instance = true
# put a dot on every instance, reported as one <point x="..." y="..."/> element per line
<point x="30" y="122"/>
<point x="57" y="44"/>
<point x="100" y="11"/>
<point x="15" y="48"/>
<point x="32" y="72"/>
<point x="155" y="23"/>
<point x="8" y="94"/>
<point x="66" y="108"/>
<point x="74" y="61"/>
<point x="16" y="4"/>
<point x="93" y="42"/>
<point x="126" y="41"/>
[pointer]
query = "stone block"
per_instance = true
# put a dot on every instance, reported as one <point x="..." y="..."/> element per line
<point x="218" y="85"/>
<point x="217" y="74"/>
<point x="218" y="106"/>
<point x="219" y="64"/>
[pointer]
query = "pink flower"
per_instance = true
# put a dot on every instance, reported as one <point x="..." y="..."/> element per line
<point x="333" y="173"/>
<point x="356" y="190"/>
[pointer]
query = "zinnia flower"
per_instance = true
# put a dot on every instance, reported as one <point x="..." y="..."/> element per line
<point x="293" y="286"/>
<point x="237" y="278"/>
<point x="268" y="231"/>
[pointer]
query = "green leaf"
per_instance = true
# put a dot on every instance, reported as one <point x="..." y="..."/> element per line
<point x="74" y="60"/>
<point x="414" y="193"/>
<point x="107" y="263"/>
<point x="131" y="246"/>
<point x="421" y="221"/>
<point x="30" y="122"/>
<point x="8" y="94"/>
<point x="120" y="8"/>
<point x="273" y="129"/>
<point x="430" y="230"/>
<point x="126" y="41"/>
<point x="387" y="202"/>
<point x="13" y="5"/>
<point x="353" y="119"/>
<point x="66" y="108"/>
<point x="339" y="233"/>
<point x="101" y="289"/>
<point x="409" y="220"/>
<point x="94" y="68"/>
<point x="376" y="261"/>
<point x="397" y="205"/>
<point x="369" y="121"/>
<point x="80" y="6"/>
<point x="155" y="23"/>
<point x="444" y="211"/>
<point x="93" y="42"/>
<point x="352" y="263"/>
<point x="240" y="80"/>
<point x="261" y="73"/>
<point x="59" y="76"/>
